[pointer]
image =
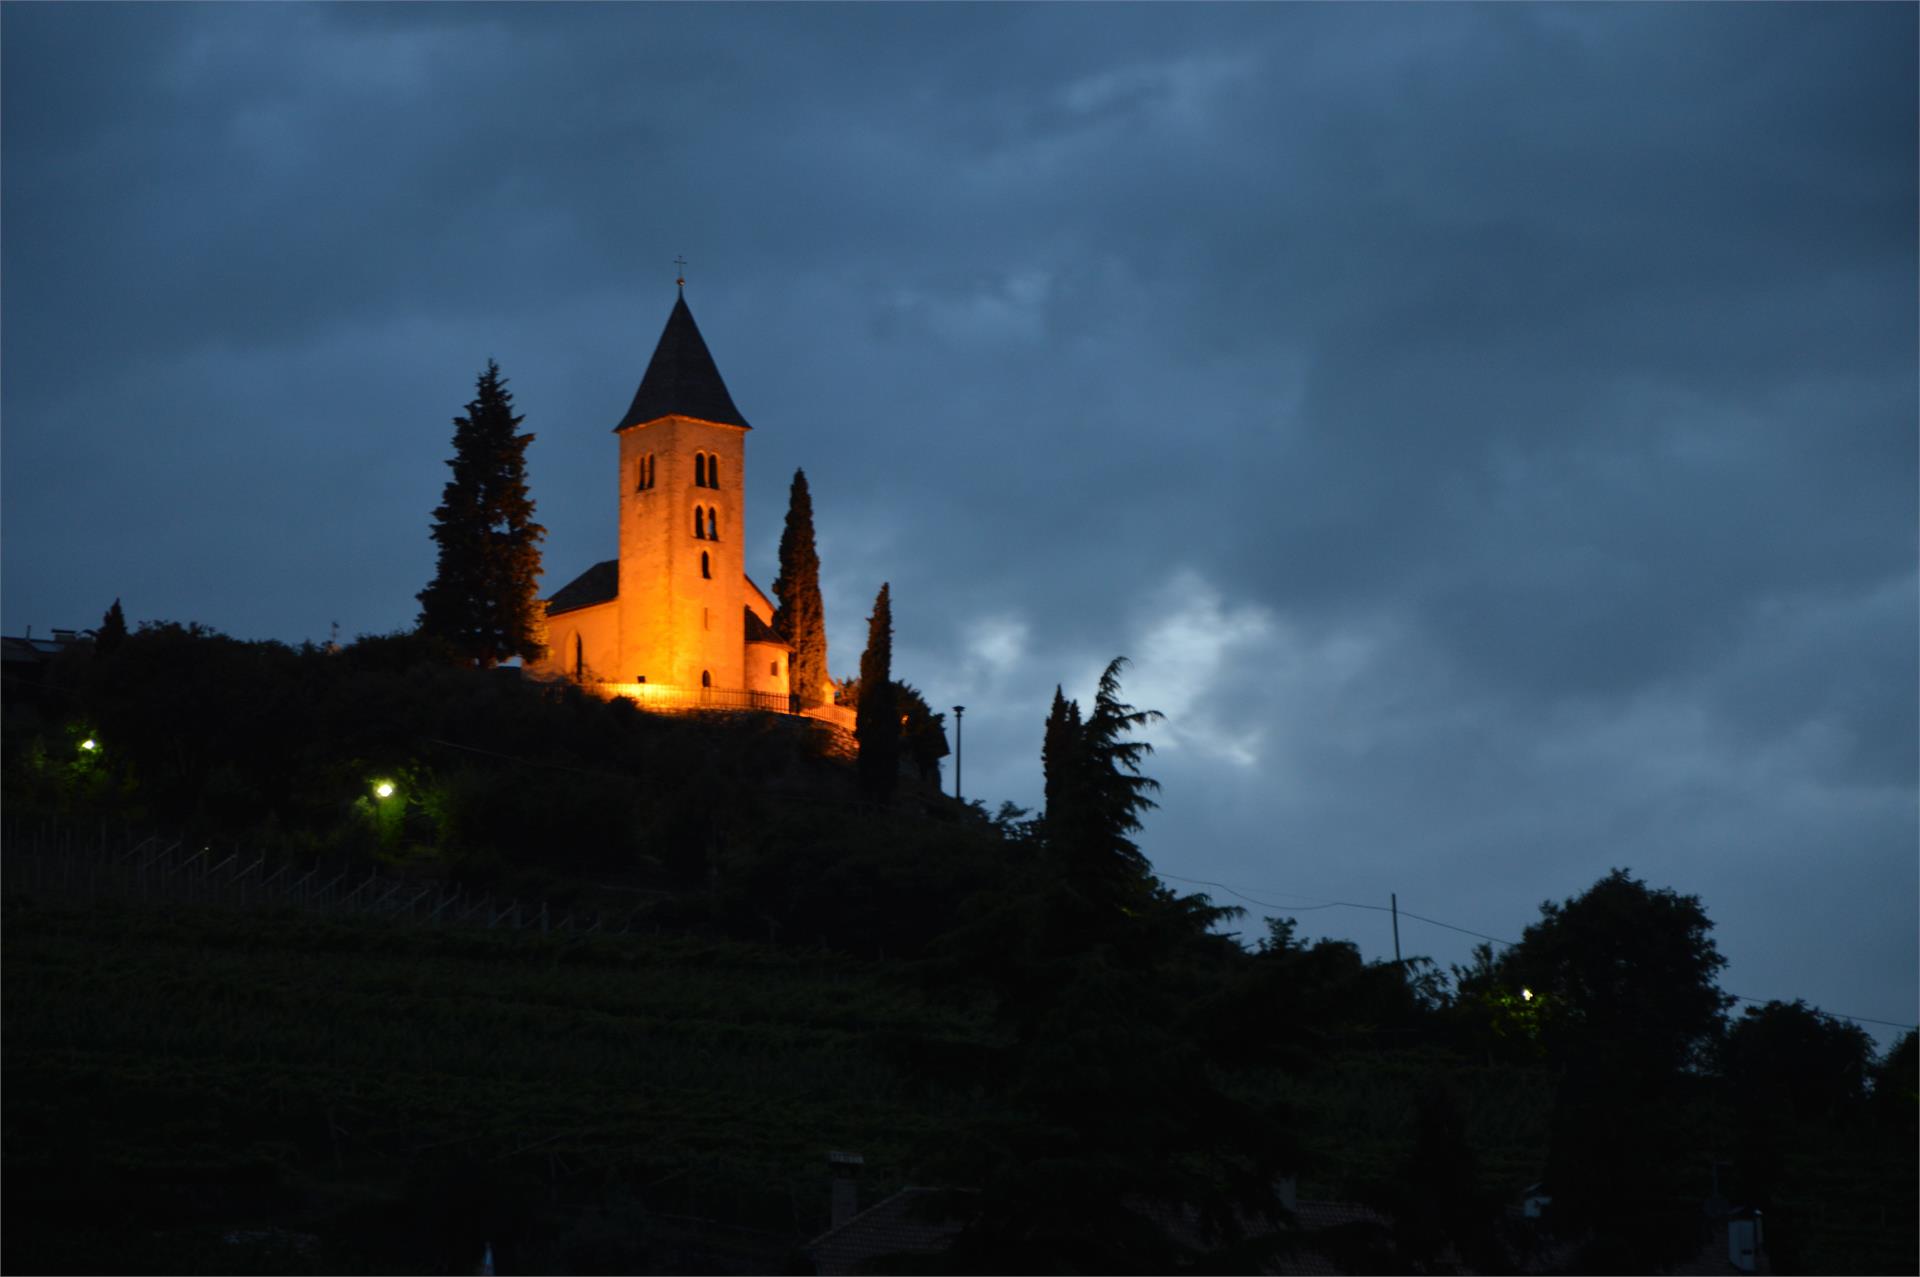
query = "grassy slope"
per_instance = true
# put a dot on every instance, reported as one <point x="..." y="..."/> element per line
<point x="288" y="1067"/>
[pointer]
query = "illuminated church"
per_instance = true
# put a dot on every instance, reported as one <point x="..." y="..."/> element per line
<point x="675" y="620"/>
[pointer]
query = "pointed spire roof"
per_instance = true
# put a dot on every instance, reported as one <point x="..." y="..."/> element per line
<point x="681" y="380"/>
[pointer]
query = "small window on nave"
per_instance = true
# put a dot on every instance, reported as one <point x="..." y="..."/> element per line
<point x="706" y="678"/>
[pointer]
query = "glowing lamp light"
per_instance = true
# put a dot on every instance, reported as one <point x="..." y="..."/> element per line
<point x="1526" y="995"/>
<point x="89" y="744"/>
<point x="383" y="789"/>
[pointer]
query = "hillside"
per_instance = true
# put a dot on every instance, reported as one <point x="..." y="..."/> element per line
<point x="207" y="1080"/>
<point x="402" y="1094"/>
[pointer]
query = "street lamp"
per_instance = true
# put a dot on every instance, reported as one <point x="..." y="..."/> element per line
<point x="959" y="741"/>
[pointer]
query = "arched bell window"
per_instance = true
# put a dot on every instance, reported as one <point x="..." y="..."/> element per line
<point x="713" y="472"/>
<point x="700" y="522"/>
<point x="713" y="525"/>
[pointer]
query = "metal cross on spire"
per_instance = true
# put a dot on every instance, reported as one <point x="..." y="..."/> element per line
<point x="681" y="262"/>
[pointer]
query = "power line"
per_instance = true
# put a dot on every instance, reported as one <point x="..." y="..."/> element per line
<point x="1838" y="1015"/>
<point x="1340" y="904"/>
<point x="1481" y="935"/>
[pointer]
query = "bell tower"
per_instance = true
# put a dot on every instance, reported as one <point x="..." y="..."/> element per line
<point x="682" y="590"/>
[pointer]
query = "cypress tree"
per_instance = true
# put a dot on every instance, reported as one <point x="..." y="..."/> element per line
<point x="876" y="723"/>
<point x="1057" y="750"/>
<point x="113" y="629"/>
<point x="482" y="601"/>
<point x="800" y="618"/>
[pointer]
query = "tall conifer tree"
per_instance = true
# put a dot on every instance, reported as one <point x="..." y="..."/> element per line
<point x="113" y="629"/>
<point x="482" y="598"/>
<point x="876" y="723"/>
<point x="1057" y="750"/>
<point x="1095" y="792"/>
<point x="801" y="618"/>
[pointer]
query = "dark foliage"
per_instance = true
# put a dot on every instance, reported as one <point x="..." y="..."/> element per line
<point x="1118" y="1149"/>
<point x="800" y="617"/>
<point x="1788" y="1057"/>
<point x="876" y="723"/>
<point x="1295" y="1005"/>
<point x="1026" y="1013"/>
<point x="1442" y="1219"/>
<point x="1059" y="752"/>
<point x="1096" y="794"/>
<point x="482" y="601"/>
<point x="1896" y="1090"/>
<point x="923" y="733"/>
<point x="113" y="628"/>
<point x="1619" y="991"/>
<point x="1622" y="979"/>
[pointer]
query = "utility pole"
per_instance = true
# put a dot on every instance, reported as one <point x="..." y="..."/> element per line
<point x="959" y="742"/>
<point x="1395" y="900"/>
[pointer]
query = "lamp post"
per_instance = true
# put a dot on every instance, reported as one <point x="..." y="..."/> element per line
<point x="959" y="743"/>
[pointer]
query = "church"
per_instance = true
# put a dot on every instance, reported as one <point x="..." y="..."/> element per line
<point x="675" y="621"/>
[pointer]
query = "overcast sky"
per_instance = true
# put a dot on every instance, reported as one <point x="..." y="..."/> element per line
<point x="1490" y="431"/>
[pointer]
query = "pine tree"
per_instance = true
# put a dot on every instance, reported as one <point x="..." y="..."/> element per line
<point x="876" y="723"/>
<point x="482" y="598"/>
<point x="1094" y="782"/>
<point x="113" y="629"/>
<point x="800" y="618"/>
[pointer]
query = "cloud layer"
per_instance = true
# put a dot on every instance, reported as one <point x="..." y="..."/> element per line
<point x="1490" y="431"/>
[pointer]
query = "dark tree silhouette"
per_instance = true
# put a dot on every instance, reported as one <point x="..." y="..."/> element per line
<point x="1624" y="976"/>
<point x="1790" y="1057"/>
<point x="1095" y="792"/>
<point x="1059" y="749"/>
<point x="1787" y="1065"/>
<point x="1895" y="1102"/>
<point x="481" y="601"/>
<point x="800" y="617"/>
<point x="113" y="629"/>
<point x="1622" y="990"/>
<point x="876" y="724"/>
<point x="923" y="733"/>
<point x="1441" y="1215"/>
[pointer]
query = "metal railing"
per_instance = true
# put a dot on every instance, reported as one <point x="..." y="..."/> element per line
<point x="666" y="696"/>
